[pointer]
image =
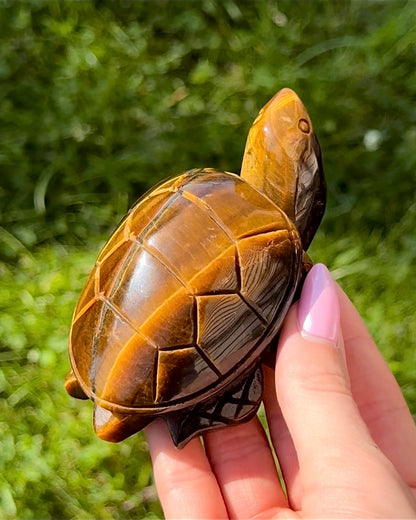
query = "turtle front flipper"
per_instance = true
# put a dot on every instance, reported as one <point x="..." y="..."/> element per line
<point x="235" y="406"/>
<point x="115" y="427"/>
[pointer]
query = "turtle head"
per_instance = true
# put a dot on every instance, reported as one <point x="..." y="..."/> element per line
<point x="282" y="159"/>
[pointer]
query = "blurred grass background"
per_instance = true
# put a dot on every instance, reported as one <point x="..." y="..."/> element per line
<point x="100" y="100"/>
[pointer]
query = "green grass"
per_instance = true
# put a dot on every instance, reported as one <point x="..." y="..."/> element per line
<point x="52" y="464"/>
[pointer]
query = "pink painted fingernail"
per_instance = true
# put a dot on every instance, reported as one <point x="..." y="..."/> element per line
<point x="318" y="309"/>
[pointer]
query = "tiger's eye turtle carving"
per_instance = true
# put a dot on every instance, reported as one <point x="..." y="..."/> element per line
<point x="192" y="287"/>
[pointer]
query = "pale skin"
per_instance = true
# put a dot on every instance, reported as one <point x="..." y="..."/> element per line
<point x="340" y="428"/>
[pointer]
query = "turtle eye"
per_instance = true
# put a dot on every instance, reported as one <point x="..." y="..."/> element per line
<point x="303" y="126"/>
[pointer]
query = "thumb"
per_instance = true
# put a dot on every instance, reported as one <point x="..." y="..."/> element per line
<point x="338" y="460"/>
<point x="312" y="380"/>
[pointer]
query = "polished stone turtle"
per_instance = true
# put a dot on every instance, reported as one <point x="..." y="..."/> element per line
<point x="192" y="287"/>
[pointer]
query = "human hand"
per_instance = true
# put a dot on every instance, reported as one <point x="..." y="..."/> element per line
<point x="339" y="425"/>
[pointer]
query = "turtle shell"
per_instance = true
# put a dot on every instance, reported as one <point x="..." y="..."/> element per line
<point x="185" y="296"/>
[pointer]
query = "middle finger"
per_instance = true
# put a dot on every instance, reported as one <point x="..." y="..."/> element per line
<point x="243" y="464"/>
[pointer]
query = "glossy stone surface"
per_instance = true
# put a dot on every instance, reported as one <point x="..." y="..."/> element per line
<point x="164" y="319"/>
<point x="185" y="298"/>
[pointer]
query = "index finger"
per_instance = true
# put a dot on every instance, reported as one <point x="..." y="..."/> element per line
<point x="377" y="394"/>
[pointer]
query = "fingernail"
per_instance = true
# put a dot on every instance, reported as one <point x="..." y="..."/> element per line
<point x="318" y="308"/>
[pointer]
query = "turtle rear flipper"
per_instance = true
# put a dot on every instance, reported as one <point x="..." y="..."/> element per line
<point x="72" y="386"/>
<point x="237" y="405"/>
<point x="115" y="427"/>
